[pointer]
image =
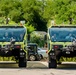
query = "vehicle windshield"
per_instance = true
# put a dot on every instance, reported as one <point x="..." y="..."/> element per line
<point x="8" y="33"/>
<point x="62" y="34"/>
<point x="31" y="47"/>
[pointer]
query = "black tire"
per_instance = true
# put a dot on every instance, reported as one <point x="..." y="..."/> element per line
<point x="32" y="57"/>
<point x="38" y="58"/>
<point x="41" y="57"/>
<point x="22" y="62"/>
<point x="52" y="63"/>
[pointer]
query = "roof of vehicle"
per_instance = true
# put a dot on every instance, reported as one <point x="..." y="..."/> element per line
<point x="12" y="26"/>
<point x="64" y="26"/>
<point x="61" y="25"/>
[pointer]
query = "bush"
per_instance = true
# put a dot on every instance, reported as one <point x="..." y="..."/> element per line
<point x="37" y="38"/>
<point x="30" y="28"/>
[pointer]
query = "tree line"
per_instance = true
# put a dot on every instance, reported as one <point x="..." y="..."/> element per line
<point x="39" y="13"/>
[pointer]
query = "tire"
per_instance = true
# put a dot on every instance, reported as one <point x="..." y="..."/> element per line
<point x="32" y="57"/>
<point x="38" y="58"/>
<point x="41" y="57"/>
<point x="22" y="62"/>
<point x="52" y="63"/>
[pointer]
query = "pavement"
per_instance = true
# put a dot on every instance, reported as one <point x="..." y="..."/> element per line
<point x="37" y="68"/>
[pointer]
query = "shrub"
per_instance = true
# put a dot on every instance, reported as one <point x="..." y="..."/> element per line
<point x="38" y="38"/>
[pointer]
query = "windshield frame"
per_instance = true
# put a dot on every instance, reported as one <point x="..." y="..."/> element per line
<point x="12" y="29"/>
<point x="69" y="29"/>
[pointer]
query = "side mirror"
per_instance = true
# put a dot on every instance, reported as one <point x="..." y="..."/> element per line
<point x="12" y="41"/>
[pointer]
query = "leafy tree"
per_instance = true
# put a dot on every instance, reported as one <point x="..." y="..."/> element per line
<point x="60" y="10"/>
<point x="49" y="9"/>
<point x="5" y="7"/>
<point x="32" y="14"/>
<point x="38" y="12"/>
<point x="30" y="28"/>
<point x="65" y="10"/>
<point x="37" y="38"/>
<point x="16" y="13"/>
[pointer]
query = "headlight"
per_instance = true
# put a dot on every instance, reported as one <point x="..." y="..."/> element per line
<point x="52" y="50"/>
<point x="22" y="53"/>
<point x="20" y="49"/>
<point x="52" y="53"/>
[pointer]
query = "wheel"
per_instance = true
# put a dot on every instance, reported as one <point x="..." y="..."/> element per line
<point x="22" y="62"/>
<point x="32" y="57"/>
<point x="52" y="63"/>
<point x="41" y="57"/>
<point x="38" y="57"/>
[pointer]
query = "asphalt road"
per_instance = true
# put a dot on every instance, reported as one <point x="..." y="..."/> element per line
<point x="38" y="68"/>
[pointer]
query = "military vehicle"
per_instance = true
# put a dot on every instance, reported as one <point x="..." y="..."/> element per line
<point x="13" y="42"/>
<point x="32" y="52"/>
<point x="61" y="43"/>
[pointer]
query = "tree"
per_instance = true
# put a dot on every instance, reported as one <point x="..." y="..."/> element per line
<point x="65" y="10"/>
<point x="60" y="11"/>
<point x="49" y="9"/>
<point x="30" y="28"/>
<point x="33" y="14"/>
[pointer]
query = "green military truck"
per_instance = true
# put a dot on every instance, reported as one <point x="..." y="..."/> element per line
<point x="61" y="43"/>
<point x="13" y="42"/>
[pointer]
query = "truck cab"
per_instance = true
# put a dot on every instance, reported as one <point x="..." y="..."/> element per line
<point x="13" y="43"/>
<point x="61" y="43"/>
